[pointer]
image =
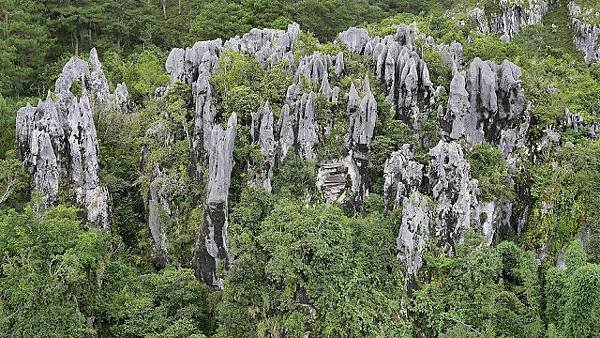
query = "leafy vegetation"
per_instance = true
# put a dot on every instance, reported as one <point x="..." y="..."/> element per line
<point x="300" y="266"/>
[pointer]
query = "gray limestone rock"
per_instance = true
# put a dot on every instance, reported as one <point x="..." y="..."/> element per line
<point x="402" y="177"/>
<point x="262" y="134"/>
<point x="355" y="39"/>
<point x="515" y="15"/>
<point x="59" y="147"/>
<point x="438" y="201"/>
<point x="121" y="99"/>
<point x="269" y="46"/>
<point x="339" y="64"/>
<point x="454" y="192"/>
<point x="414" y="232"/>
<point x="511" y="18"/>
<point x="213" y="250"/>
<point x="495" y="102"/>
<point x="98" y="83"/>
<point x="586" y="35"/>
<point x="362" y="113"/>
<point x="452" y="55"/>
<point x="478" y="16"/>
<point x="307" y="126"/>
<point x="286" y="132"/>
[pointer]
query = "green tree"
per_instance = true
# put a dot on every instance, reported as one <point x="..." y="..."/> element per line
<point x="481" y="290"/>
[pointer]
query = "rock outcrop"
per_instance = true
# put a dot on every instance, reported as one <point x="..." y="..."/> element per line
<point x="346" y="180"/>
<point x="263" y="135"/>
<point x="446" y="182"/>
<point x="269" y="46"/>
<point x="362" y="113"/>
<point x="415" y="231"/>
<point x="404" y="74"/>
<point x="58" y="143"/>
<point x="511" y="18"/>
<point x="485" y="103"/>
<point x="586" y="34"/>
<point x="213" y="252"/>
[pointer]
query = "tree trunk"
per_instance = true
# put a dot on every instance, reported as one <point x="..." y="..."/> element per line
<point x="179" y="6"/>
<point x="163" y="4"/>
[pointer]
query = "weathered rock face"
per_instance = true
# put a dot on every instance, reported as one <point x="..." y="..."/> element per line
<point x="404" y="73"/>
<point x="346" y="180"/>
<point x="269" y="46"/>
<point x="213" y="250"/>
<point x="415" y="230"/>
<point x="512" y="17"/>
<point x="158" y="209"/>
<point x="362" y="113"/>
<point x="446" y="181"/>
<point x="58" y="144"/>
<point x="485" y="103"/>
<point x="585" y="35"/>
<point x="195" y="66"/>
<point x="355" y="39"/>
<point x="297" y="125"/>
<point x="454" y="192"/>
<point x="402" y="177"/>
<point x="262" y="134"/>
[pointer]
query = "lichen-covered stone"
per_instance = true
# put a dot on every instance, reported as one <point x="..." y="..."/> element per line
<point x="355" y="39"/>
<point x="362" y="113"/>
<point x="495" y="102"/>
<point x="512" y="16"/>
<point x="414" y="232"/>
<point x="439" y="201"/>
<point x="402" y="177"/>
<point x="307" y="126"/>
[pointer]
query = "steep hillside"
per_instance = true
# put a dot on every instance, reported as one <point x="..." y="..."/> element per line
<point x="432" y="174"/>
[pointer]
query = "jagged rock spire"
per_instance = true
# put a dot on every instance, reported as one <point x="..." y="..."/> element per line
<point x="362" y="113"/>
<point x="213" y="250"/>
<point x="495" y="100"/>
<point x="446" y="181"/>
<point x="58" y="142"/>
<point x="262" y="134"/>
<point x="586" y="33"/>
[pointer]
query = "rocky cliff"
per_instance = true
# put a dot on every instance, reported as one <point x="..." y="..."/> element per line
<point x="58" y="142"/>
<point x="433" y="185"/>
<point x="586" y="31"/>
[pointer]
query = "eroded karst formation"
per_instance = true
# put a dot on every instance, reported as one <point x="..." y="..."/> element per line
<point x="439" y="197"/>
<point x="58" y="142"/>
<point x="510" y="17"/>
<point x="586" y="34"/>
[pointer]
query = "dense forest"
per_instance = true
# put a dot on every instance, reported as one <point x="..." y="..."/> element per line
<point x="311" y="168"/>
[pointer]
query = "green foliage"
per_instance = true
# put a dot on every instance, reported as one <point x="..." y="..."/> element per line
<point x="320" y="270"/>
<point x="25" y="43"/>
<point x="13" y="183"/>
<point x="573" y="296"/>
<point x="166" y="304"/>
<point x="567" y="196"/>
<point x="480" y="291"/>
<point x="144" y="75"/>
<point x="491" y="170"/>
<point x="8" y="115"/>
<point x="295" y="178"/>
<point x="50" y="269"/>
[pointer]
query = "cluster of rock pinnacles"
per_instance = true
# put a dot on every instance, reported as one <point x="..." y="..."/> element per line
<point x="439" y="199"/>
